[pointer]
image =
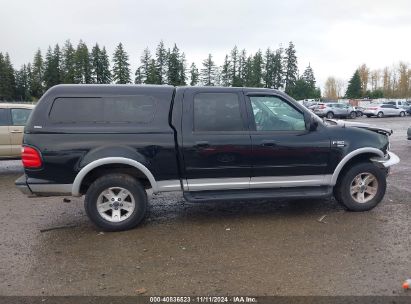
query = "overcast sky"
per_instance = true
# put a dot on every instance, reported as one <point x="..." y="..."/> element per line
<point x="334" y="36"/>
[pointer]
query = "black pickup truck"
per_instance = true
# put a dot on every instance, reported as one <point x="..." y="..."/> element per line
<point x="113" y="143"/>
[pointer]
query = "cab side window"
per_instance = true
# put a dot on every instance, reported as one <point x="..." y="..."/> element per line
<point x="272" y="113"/>
<point x="217" y="112"/>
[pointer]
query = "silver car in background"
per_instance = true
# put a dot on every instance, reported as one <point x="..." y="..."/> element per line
<point x="382" y="110"/>
<point x="331" y="110"/>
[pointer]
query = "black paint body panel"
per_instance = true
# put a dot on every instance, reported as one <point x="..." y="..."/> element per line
<point x="170" y="149"/>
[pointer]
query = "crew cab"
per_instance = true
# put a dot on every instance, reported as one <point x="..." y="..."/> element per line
<point x="116" y="143"/>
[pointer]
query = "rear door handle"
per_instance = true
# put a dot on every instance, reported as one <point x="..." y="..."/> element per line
<point x="201" y="144"/>
<point x="16" y="131"/>
<point x="268" y="143"/>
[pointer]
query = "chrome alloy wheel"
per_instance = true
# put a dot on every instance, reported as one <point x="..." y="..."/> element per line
<point x="364" y="188"/>
<point x="115" y="204"/>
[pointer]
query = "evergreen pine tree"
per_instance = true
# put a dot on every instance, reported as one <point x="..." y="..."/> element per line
<point x="235" y="80"/>
<point x="269" y="69"/>
<point x="226" y="76"/>
<point x="23" y="83"/>
<point x="242" y="62"/>
<point x="145" y="65"/>
<point x="291" y="68"/>
<point x="121" y="70"/>
<point x="248" y="72"/>
<point x="151" y="77"/>
<point x="2" y="77"/>
<point x="194" y="75"/>
<point x="68" y="63"/>
<point x="308" y="76"/>
<point x="183" y="68"/>
<point x="37" y="73"/>
<point x="83" y="68"/>
<point x="139" y="76"/>
<point x="7" y="78"/>
<point x="52" y="70"/>
<point x="100" y="65"/>
<point x="161" y="63"/>
<point x="208" y="72"/>
<point x="48" y="68"/>
<point x="105" y="73"/>
<point x="174" y="67"/>
<point x="257" y="71"/>
<point x="354" y="89"/>
<point x="278" y="69"/>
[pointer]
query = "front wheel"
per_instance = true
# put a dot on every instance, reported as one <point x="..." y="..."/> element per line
<point x="361" y="187"/>
<point x="380" y="114"/>
<point x="353" y="115"/>
<point x="116" y="202"/>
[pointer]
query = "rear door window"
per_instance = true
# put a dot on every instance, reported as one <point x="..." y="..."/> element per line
<point x="217" y="112"/>
<point x="19" y="116"/>
<point x="115" y="109"/>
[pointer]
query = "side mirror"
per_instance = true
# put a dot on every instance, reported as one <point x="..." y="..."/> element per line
<point x="311" y="123"/>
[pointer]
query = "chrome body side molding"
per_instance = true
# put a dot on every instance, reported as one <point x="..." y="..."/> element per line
<point x="289" y="181"/>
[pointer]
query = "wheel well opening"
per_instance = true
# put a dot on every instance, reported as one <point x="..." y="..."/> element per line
<point x="110" y="169"/>
<point x="361" y="158"/>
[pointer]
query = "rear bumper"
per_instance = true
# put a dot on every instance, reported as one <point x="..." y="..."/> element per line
<point x="370" y="112"/>
<point x="41" y="187"/>
<point x="21" y="184"/>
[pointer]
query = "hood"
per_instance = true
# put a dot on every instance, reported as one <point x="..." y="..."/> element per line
<point x="361" y="125"/>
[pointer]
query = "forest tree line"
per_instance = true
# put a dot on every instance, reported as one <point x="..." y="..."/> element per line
<point x="72" y="65"/>
<point x="389" y="82"/>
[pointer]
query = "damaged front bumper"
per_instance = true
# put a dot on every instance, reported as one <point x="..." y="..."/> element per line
<point x="390" y="159"/>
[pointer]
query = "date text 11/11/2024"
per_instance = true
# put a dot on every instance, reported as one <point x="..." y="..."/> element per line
<point x="204" y="299"/>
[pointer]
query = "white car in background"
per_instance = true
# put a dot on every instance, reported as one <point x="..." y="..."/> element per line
<point x="382" y="110"/>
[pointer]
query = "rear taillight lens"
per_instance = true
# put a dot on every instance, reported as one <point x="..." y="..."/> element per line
<point x="322" y="106"/>
<point x="31" y="158"/>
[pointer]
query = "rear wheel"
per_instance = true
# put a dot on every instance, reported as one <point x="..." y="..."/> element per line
<point x="361" y="188"/>
<point x="330" y="115"/>
<point x="116" y="202"/>
<point x="359" y="114"/>
<point x="353" y="115"/>
<point x="380" y="114"/>
<point x="402" y="114"/>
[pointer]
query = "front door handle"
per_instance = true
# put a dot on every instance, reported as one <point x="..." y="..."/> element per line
<point x="16" y="131"/>
<point x="268" y="143"/>
<point x="202" y="144"/>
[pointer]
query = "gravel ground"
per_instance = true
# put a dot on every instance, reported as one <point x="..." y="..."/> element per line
<point x="255" y="248"/>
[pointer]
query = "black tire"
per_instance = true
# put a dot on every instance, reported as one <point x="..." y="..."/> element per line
<point x="353" y="115"/>
<point x="368" y="116"/>
<point x="116" y="180"/>
<point x="342" y="189"/>
<point x="359" y="114"/>
<point x="380" y="115"/>
<point x="329" y="115"/>
<point x="402" y="114"/>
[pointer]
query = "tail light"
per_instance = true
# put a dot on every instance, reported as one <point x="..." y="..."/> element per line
<point x="31" y="158"/>
<point x="321" y="106"/>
